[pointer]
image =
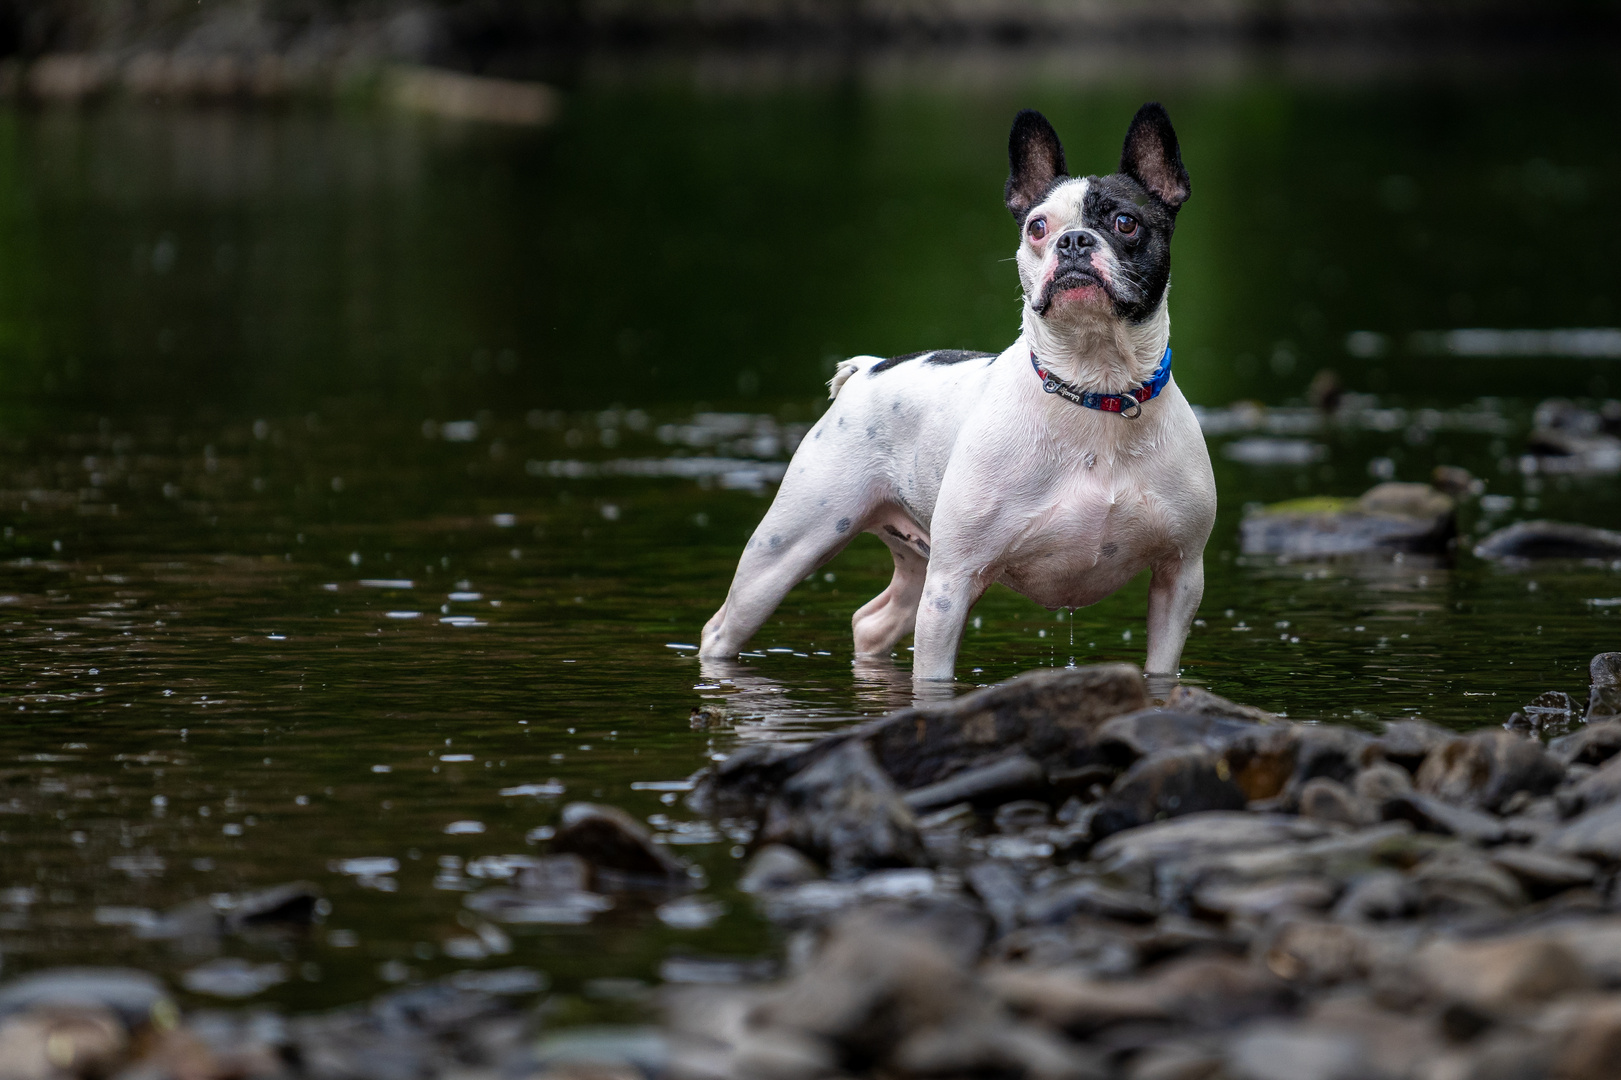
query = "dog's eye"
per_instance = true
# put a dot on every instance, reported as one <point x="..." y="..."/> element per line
<point x="1125" y="225"/>
<point x="1037" y="228"/>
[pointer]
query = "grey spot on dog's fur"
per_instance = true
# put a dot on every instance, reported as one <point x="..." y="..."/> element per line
<point x="776" y="542"/>
<point x="872" y="433"/>
<point x="843" y="525"/>
<point x="942" y="603"/>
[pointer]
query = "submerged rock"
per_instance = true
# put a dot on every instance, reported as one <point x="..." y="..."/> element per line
<point x="619" y="848"/>
<point x="1390" y="517"/>
<point x="1549" y="540"/>
<point x="1604" y="694"/>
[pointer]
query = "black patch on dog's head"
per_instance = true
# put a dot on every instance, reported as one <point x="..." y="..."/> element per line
<point x="1035" y="163"/>
<point x="1144" y="257"/>
<point x="1153" y="158"/>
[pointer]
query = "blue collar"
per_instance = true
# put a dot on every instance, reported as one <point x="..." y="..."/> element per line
<point x="1128" y="404"/>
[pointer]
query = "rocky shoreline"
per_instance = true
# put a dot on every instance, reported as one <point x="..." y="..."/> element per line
<point x="1053" y="877"/>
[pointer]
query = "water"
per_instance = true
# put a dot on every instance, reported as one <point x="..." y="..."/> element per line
<point x="355" y="470"/>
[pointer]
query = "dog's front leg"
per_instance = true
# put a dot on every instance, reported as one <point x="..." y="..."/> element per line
<point x="950" y="591"/>
<point x="1174" y="593"/>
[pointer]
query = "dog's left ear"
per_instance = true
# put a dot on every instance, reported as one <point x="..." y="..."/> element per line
<point x="1152" y="157"/>
<point x="1035" y="159"/>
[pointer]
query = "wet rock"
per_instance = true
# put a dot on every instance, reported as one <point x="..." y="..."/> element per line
<point x="1595" y="835"/>
<point x="1091" y="897"/>
<point x="1008" y="778"/>
<point x="1376" y="896"/>
<point x="1329" y="800"/>
<point x="553" y="891"/>
<point x="618" y="847"/>
<point x="1382" y="781"/>
<point x="1336" y="857"/>
<point x="1049" y="715"/>
<point x="1334" y="753"/>
<point x="1168" y="784"/>
<point x="61" y="1041"/>
<point x="1548" y="714"/>
<point x="1604" y="693"/>
<point x="1568" y="439"/>
<point x="774" y="867"/>
<point x="1433" y="815"/>
<point x="1184" y="698"/>
<point x="1124" y="739"/>
<point x="1389" y="517"/>
<point x="1312" y="953"/>
<point x="134" y="996"/>
<point x="1486" y="768"/>
<point x="292" y="905"/>
<point x="741" y="785"/>
<point x="844" y="811"/>
<point x="605" y="1052"/>
<point x="1455" y="481"/>
<point x="1549" y="540"/>
<point x="1175" y="1061"/>
<point x="1408" y="742"/>
<point x="1595" y="744"/>
<point x="1501" y="975"/>
<point x="1542" y="872"/>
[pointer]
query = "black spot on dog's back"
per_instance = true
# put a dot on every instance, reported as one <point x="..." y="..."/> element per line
<point x="842" y="526"/>
<point x="930" y="356"/>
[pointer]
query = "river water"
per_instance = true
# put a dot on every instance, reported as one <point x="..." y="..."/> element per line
<point x="359" y="472"/>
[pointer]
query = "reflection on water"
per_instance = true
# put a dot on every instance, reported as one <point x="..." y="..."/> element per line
<point x="356" y="474"/>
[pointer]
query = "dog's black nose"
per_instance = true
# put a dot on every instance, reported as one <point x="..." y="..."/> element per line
<point x="1075" y="241"/>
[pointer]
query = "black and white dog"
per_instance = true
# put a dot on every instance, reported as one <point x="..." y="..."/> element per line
<point x="1061" y="467"/>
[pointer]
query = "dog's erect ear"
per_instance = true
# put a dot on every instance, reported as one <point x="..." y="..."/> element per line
<point x="1152" y="158"/>
<point x="1035" y="160"/>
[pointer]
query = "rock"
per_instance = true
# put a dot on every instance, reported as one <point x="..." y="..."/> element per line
<point x="292" y="905"/>
<point x="1389" y="517"/>
<point x="1088" y="896"/>
<point x="1332" y="752"/>
<point x="1313" y="953"/>
<point x="776" y="866"/>
<point x="1184" y="698"/>
<point x="1200" y="991"/>
<point x="618" y="847"/>
<point x="1408" y="742"/>
<point x="1550" y="713"/>
<point x="985" y="784"/>
<point x="741" y="785"/>
<point x="1140" y="852"/>
<point x="1292" y="1052"/>
<point x="1590" y="1041"/>
<point x="1595" y="744"/>
<point x="1266" y="900"/>
<point x="1463" y="884"/>
<point x="1377" y="895"/>
<point x="1134" y="735"/>
<point x="1604" y="693"/>
<point x="1049" y="715"/>
<point x="1549" y="540"/>
<point x="1455" y="481"/>
<point x="1501" y="975"/>
<point x="1329" y="800"/>
<point x="233" y="977"/>
<point x="134" y="996"/>
<point x="1000" y="888"/>
<point x="1433" y="815"/>
<point x="1542" y="872"/>
<point x="60" y="1041"/>
<point x="1168" y="784"/>
<point x="1598" y="788"/>
<point x="1382" y="781"/>
<point x="996" y="1046"/>
<point x="1175" y="1062"/>
<point x="1262" y="760"/>
<point x="1020" y="815"/>
<point x="844" y="811"/>
<point x="1486" y="768"/>
<point x="1595" y="835"/>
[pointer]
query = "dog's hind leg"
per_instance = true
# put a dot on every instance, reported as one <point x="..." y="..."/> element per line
<point x="791" y="542"/>
<point x="881" y="622"/>
<point x="1174" y="592"/>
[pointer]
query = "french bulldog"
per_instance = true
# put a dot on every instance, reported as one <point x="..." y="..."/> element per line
<point x="1060" y="467"/>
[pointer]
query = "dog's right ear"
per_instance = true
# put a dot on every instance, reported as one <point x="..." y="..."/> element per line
<point x="1035" y="160"/>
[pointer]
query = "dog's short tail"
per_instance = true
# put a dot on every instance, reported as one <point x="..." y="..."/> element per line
<point x="841" y="376"/>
